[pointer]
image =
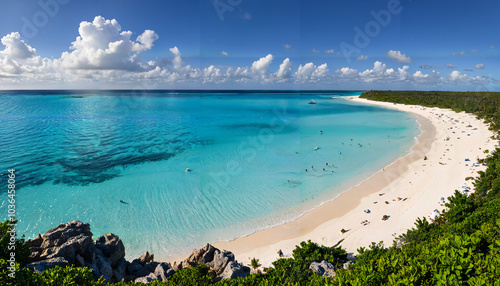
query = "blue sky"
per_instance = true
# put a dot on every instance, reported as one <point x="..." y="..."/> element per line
<point x="227" y="44"/>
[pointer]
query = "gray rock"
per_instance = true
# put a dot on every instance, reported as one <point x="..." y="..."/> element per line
<point x="323" y="268"/>
<point x="120" y="271"/>
<point x="209" y="255"/>
<point x="150" y="267"/>
<point x="234" y="270"/>
<point x="347" y="265"/>
<point x="146" y="279"/>
<point x="112" y="247"/>
<point x="102" y="268"/>
<point x="35" y="242"/>
<point x="146" y="257"/>
<point x="80" y="243"/>
<point x="66" y="251"/>
<point x="60" y="233"/>
<point x="136" y="269"/>
<point x="163" y="271"/>
<point x="43" y="265"/>
<point x="202" y="255"/>
<point x="220" y="260"/>
<point x="79" y="261"/>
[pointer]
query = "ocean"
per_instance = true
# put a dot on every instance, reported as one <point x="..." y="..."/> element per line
<point x="191" y="167"/>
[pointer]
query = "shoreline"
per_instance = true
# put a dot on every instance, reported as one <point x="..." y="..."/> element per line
<point x="323" y="223"/>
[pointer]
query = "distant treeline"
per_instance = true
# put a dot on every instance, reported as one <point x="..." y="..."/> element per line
<point x="485" y="105"/>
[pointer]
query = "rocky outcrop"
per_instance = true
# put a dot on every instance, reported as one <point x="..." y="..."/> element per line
<point x="209" y="255"/>
<point x="234" y="270"/>
<point x="43" y="265"/>
<point x="161" y="273"/>
<point x="323" y="268"/>
<point x="112" y="247"/>
<point x="141" y="267"/>
<point x="223" y="262"/>
<point x="72" y="244"/>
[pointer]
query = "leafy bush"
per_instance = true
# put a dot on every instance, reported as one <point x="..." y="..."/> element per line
<point x="21" y="250"/>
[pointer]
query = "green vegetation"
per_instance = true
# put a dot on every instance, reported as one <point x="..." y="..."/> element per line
<point x="462" y="247"/>
<point x="22" y="251"/>
<point x="485" y="105"/>
<point x="254" y="263"/>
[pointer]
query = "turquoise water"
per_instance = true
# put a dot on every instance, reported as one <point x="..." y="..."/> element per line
<point x="77" y="154"/>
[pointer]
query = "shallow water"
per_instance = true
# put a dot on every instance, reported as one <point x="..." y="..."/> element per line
<point x="77" y="154"/>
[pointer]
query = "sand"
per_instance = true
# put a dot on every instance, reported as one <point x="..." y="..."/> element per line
<point x="419" y="184"/>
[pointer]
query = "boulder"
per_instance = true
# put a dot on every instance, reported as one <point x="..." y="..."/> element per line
<point x="41" y="266"/>
<point x="323" y="268"/>
<point x="347" y="265"/>
<point x="202" y="255"/>
<point x="65" y="251"/>
<point x="220" y="260"/>
<point x="146" y="279"/>
<point x="58" y="235"/>
<point x="146" y="257"/>
<point x="120" y="270"/>
<point x="73" y="246"/>
<point x="35" y="242"/>
<point x="112" y="247"/>
<point x="209" y="255"/>
<point x="136" y="269"/>
<point x="102" y="268"/>
<point x="150" y="267"/>
<point x="80" y="243"/>
<point x="163" y="271"/>
<point x="79" y="261"/>
<point x="234" y="270"/>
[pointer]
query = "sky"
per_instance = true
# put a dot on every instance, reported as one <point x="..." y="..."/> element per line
<point x="250" y="44"/>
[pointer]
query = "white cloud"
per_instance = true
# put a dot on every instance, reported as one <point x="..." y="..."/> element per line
<point x="104" y="54"/>
<point x="285" y="70"/>
<point x="224" y="53"/>
<point x="450" y="66"/>
<point x="398" y="56"/>
<point x="362" y="58"/>
<point x="311" y="72"/>
<point x="314" y="51"/>
<point x="479" y="67"/>
<point x="457" y="76"/>
<point x="458" y="54"/>
<point x="287" y="47"/>
<point x="177" y="61"/>
<point x="15" y="48"/>
<point x="330" y="51"/>
<point x="262" y="65"/>
<point x="379" y="69"/>
<point x="433" y="78"/>
<point x="474" y="51"/>
<point x="492" y="47"/>
<point x="347" y="72"/>
<point x="102" y="45"/>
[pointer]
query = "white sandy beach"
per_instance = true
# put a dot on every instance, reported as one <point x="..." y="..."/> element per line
<point x="446" y="141"/>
